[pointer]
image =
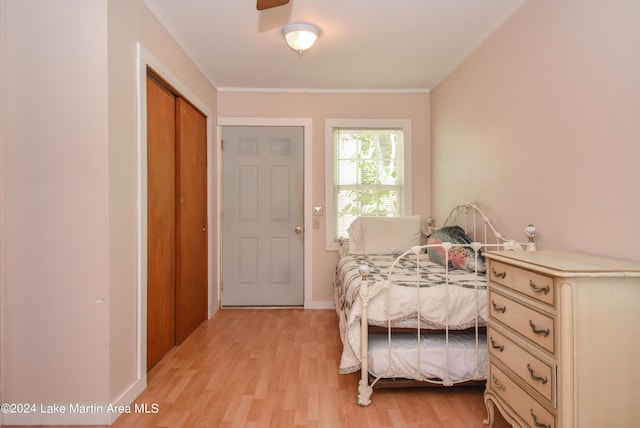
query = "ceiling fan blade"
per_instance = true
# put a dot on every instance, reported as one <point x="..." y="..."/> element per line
<point x="273" y="18"/>
<point x="268" y="4"/>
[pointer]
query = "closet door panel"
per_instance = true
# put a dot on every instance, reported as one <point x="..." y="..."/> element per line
<point x="191" y="209"/>
<point x="161" y="236"/>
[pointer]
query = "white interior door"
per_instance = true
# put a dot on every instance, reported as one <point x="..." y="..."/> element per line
<point x="262" y="216"/>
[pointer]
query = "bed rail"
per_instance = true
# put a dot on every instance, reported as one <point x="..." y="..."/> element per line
<point x="473" y="220"/>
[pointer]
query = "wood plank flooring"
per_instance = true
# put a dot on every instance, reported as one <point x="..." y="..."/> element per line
<point x="279" y="368"/>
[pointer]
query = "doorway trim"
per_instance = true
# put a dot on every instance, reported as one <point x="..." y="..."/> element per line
<point x="146" y="60"/>
<point x="306" y="123"/>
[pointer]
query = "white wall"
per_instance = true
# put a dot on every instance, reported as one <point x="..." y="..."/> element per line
<point x="69" y="241"/>
<point x="55" y="236"/>
<point x="541" y="125"/>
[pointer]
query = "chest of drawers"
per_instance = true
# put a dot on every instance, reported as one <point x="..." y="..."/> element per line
<point x="564" y="345"/>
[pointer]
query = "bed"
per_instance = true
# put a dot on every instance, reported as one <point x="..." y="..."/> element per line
<point x="411" y="302"/>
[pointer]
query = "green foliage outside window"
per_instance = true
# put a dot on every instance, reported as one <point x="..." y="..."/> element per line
<point x="367" y="174"/>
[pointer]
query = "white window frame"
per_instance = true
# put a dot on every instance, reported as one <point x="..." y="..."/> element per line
<point x="330" y="124"/>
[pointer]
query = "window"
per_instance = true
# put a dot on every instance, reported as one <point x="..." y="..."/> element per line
<point x="368" y="172"/>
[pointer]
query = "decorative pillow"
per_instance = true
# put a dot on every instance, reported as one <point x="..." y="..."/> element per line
<point x="384" y="235"/>
<point x="459" y="257"/>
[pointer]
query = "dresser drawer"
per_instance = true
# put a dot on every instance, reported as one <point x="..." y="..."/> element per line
<point x="534" y="325"/>
<point x="527" y="408"/>
<point x="535" y="285"/>
<point x="538" y="374"/>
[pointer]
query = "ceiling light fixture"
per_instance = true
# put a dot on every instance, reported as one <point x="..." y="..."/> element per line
<point x="300" y="36"/>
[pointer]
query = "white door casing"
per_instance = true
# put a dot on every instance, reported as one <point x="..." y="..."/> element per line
<point x="262" y="216"/>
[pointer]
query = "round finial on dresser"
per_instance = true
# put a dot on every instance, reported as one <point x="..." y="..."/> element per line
<point x="531" y="231"/>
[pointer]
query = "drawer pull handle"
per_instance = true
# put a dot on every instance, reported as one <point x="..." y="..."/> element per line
<point x="537" y="289"/>
<point x="497" y="274"/>
<point x="497" y="308"/>
<point x="536" y="331"/>
<point x="536" y="423"/>
<point x="534" y="377"/>
<point x="494" y="346"/>
<point x="498" y="384"/>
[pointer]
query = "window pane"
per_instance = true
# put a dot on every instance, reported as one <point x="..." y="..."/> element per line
<point x="347" y="148"/>
<point x="378" y="172"/>
<point x="369" y="171"/>
<point x="378" y="202"/>
<point x="356" y="201"/>
<point x="347" y="202"/>
<point x="347" y="211"/>
<point x="347" y="172"/>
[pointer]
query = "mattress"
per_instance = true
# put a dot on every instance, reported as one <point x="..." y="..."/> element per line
<point x="463" y="360"/>
<point x="418" y="292"/>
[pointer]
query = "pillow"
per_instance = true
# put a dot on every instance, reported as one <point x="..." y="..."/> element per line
<point x="384" y="235"/>
<point x="459" y="257"/>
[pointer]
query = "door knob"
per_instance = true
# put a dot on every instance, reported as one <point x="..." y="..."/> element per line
<point x="298" y="230"/>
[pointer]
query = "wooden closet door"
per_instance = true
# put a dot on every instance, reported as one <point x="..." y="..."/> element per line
<point x="161" y="221"/>
<point x="191" y="208"/>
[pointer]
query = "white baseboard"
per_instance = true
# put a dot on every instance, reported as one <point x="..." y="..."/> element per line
<point x="319" y="305"/>
<point x="213" y="308"/>
<point x="81" y="414"/>
<point x="128" y="397"/>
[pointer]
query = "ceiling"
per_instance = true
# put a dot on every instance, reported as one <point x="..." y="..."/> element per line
<point x="377" y="45"/>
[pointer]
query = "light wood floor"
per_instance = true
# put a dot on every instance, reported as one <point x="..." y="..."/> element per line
<point x="279" y="368"/>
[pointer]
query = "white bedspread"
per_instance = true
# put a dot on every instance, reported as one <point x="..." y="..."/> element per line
<point x="439" y="302"/>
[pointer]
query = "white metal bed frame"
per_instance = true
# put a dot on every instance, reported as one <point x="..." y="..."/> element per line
<point x="470" y="213"/>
